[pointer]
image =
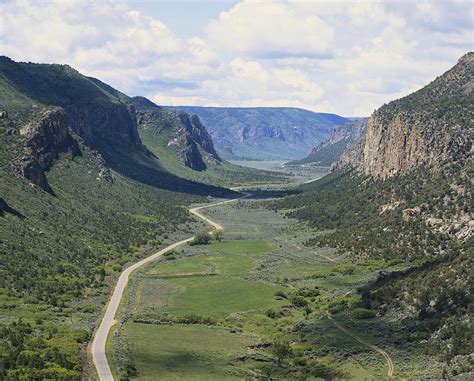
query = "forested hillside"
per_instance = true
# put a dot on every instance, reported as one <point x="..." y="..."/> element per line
<point x="182" y="146"/>
<point x="405" y="195"/>
<point x="80" y="197"/>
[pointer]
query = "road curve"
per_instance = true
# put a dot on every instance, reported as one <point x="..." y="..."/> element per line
<point x="390" y="366"/>
<point x="100" y="338"/>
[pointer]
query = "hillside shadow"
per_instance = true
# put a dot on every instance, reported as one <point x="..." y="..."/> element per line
<point x="141" y="166"/>
<point x="262" y="194"/>
<point x="5" y="208"/>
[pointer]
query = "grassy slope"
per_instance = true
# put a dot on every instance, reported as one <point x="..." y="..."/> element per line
<point x="346" y="208"/>
<point x="60" y="251"/>
<point x="55" y="257"/>
<point x="326" y="155"/>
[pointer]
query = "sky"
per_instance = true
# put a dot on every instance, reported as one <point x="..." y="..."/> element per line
<point x="346" y="57"/>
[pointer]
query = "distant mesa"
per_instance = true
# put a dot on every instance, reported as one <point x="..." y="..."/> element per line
<point x="264" y="133"/>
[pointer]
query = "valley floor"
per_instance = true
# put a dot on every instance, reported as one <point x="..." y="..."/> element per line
<point x="218" y="311"/>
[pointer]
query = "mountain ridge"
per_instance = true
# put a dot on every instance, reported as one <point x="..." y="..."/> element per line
<point x="264" y="133"/>
<point x="427" y="127"/>
<point x="342" y="137"/>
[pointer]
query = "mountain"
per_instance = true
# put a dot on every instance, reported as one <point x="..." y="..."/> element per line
<point x="81" y="196"/>
<point x="264" y="133"/>
<point x="182" y="145"/>
<point x="342" y="137"/>
<point x="431" y="127"/>
<point x="403" y="195"/>
<point x="185" y="133"/>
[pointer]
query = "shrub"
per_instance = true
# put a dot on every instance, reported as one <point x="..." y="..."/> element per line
<point x="202" y="238"/>
<point x="281" y="294"/>
<point x="298" y="301"/>
<point x="271" y="314"/>
<point x="281" y="350"/>
<point x="362" y="313"/>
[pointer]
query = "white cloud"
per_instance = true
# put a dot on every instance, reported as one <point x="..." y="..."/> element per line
<point x="344" y="57"/>
<point x="270" y="30"/>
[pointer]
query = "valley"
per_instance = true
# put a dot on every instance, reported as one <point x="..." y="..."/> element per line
<point x="148" y="242"/>
<point x="215" y="311"/>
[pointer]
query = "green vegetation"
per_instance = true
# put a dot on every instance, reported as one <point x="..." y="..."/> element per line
<point x="341" y="138"/>
<point x="165" y="129"/>
<point x="362" y="313"/>
<point x="251" y="298"/>
<point x="202" y="238"/>
<point x="38" y="351"/>
<point x="108" y="202"/>
<point x="185" y="352"/>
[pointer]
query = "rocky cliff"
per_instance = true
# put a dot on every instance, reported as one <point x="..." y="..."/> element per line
<point x="180" y="131"/>
<point x="430" y="127"/>
<point x="342" y="137"/>
<point x="45" y="140"/>
<point x="47" y="104"/>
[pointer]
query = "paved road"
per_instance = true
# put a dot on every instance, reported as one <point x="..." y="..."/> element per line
<point x="98" y="344"/>
<point x="390" y="366"/>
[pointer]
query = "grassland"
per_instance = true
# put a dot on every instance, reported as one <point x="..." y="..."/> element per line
<point x="217" y="311"/>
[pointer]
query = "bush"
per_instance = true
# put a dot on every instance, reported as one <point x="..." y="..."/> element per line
<point x="202" y="238"/>
<point x="362" y="313"/>
<point x="298" y="301"/>
<point x="281" y="350"/>
<point x="271" y="314"/>
<point x="218" y="235"/>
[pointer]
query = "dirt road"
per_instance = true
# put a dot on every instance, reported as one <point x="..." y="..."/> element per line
<point x="100" y="338"/>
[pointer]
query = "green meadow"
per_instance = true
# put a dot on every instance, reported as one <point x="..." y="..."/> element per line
<point x="217" y="311"/>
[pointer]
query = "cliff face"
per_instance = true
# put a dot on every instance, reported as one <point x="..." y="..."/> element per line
<point x="44" y="104"/>
<point x="113" y="123"/>
<point x="198" y="134"/>
<point x="45" y="140"/>
<point x="342" y="137"/>
<point x="180" y="131"/>
<point x="431" y="127"/>
<point x="410" y="140"/>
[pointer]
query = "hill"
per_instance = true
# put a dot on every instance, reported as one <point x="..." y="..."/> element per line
<point x="342" y="137"/>
<point x="264" y="133"/>
<point x="80" y="197"/>
<point x="182" y="146"/>
<point x="403" y="194"/>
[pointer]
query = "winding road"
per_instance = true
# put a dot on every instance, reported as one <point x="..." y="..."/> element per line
<point x="108" y="321"/>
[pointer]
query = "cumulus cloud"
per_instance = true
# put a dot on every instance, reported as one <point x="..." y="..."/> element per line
<point x="344" y="57"/>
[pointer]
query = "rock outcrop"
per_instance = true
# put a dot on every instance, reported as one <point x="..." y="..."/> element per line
<point x="180" y="131"/>
<point x="55" y="105"/>
<point x="98" y="124"/>
<point x="198" y="134"/>
<point x="430" y="127"/>
<point x="45" y="140"/>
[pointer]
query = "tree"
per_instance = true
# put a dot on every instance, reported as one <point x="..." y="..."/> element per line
<point x="281" y="349"/>
<point x="202" y="238"/>
<point x="218" y="234"/>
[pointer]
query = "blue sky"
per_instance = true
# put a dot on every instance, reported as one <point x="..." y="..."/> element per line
<point x="330" y="56"/>
<point x="186" y="18"/>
